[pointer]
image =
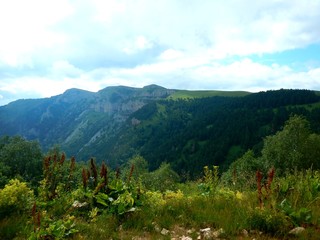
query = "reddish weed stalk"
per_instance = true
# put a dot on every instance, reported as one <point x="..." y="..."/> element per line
<point x="259" y="187"/>
<point x="72" y="167"/>
<point x="118" y="173"/>
<point x="104" y="173"/>
<point x="267" y="185"/>
<point x="234" y="176"/>
<point x="36" y="217"/>
<point x="84" y="178"/>
<point x="62" y="159"/>
<point x="94" y="171"/>
<point x="131" y="172"/>
<point x="270" y="179"/>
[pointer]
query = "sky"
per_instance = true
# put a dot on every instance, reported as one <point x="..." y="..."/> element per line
<point x="47" y="47"/>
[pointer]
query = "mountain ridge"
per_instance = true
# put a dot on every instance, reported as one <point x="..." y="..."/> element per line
<point x="115" y="123"/>
<point x="67" y="118"/>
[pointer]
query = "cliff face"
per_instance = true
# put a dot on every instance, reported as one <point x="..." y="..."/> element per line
<point x="125" y="100"/>
<point x="77" y="120"/>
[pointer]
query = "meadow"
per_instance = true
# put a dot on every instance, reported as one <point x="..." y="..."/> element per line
<point x="110" y="205"/>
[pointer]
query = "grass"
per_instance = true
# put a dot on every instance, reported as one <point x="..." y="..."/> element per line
<point x="185" y="94"/>
<point x="181" y="214"/>
<point x="293" y="200"/>
<point x="14" y="227"/>
<point x="309" y="106"/>
<point x="187" y="215"/>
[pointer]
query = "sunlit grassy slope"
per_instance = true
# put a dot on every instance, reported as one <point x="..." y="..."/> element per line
<point x="184" y="94"/>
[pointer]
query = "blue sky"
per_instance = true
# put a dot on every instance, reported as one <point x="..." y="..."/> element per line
<point x="47" y="47"/>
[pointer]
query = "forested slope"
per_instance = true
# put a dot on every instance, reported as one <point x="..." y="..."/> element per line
<point x="184" y="128"/>
<point x="190" y="134"/>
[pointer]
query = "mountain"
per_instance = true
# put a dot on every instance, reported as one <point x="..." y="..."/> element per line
<point x="77" y="119"/>
<point x="188" y="129"/>
<point x="190" y="134"/>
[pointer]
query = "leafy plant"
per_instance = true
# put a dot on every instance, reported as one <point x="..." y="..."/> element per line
<point x="300" y="216"/>
<point x="162" y="179"/>
<point x="54" y="228"/>
<point x="19" y="157"/>
<point x="210" y="180"/>
<point x="15" y="197"/>
<point x="269" y="221"/>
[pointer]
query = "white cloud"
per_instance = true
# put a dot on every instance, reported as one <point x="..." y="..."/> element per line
<point x="197" y="73"/>
<point x="49" y="46"/>
<point x="45" y="87"/>
<point x="64" y="68"/>
<point x="170" y="54"/>
<point x="107" y="9"/>
<point x="139" y="44"/>
<point x="26" y="27"/>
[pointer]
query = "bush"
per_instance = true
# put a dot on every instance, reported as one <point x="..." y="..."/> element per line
<point x="15" y="197"/>
<point x="269" y="222"/>
<point x="241" y="173"/>
<point x="162" y="179"/>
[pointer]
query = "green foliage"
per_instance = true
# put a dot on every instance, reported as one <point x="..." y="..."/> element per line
<point x="183" y="94"/>
<point x="241" y="173"/>
<point x="300" y="216"/>
<point x="117" y="123"/>
<point x="109" y="193"/>
<point x="118" y="198"/>
<point x="54" y="228"/>
<point x="197" y="132"/>
<point x="210" y="180"/>
<point x="110" y="210"/>
<point x="293" y="147"/>
<point x="136" y="168"/>
<point x="161" y="179"/>
<point x="58" y="175"/>
<point x="14" y="226"/>
<point x="15" y="197"/>
<point x="269" y="221"/>
<point x="4" y="174"/>
<point x="301" y="187"/>
<point x="105" y="226"/>
<point x="19" y="158"/>
<point x="109" y="204"/>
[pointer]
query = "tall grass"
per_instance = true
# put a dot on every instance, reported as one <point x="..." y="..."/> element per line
<point x="123" y="209"/>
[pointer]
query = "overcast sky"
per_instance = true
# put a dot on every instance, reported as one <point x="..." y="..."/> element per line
<point x="49" y="46"/>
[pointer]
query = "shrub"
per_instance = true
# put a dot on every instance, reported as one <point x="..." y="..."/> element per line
<point x="16" y="197"/>
<point x="54" y="228"/>
<point x="269" y="222"/>
<point x="241" y="173"/>
<point x="162" y="179"/>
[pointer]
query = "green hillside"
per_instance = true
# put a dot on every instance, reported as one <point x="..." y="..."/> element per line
<point x="207" y="131"/>
<point x="114" y="124"/>
<point x="185" y="94"/>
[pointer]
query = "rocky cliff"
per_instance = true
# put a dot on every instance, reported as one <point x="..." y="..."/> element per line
<point x="77" y="120"/>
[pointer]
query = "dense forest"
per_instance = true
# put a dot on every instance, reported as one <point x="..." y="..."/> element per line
<point x="190" y="134"/>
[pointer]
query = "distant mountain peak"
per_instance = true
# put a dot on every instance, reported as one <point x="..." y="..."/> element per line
<point x="153" y="86"/>
<point x="74" y="94"/>
<point x="75" y="90"/>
